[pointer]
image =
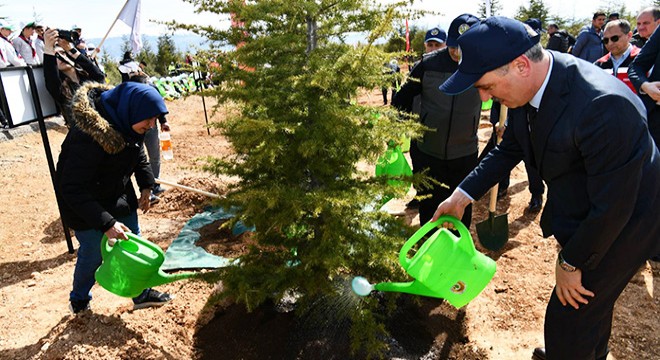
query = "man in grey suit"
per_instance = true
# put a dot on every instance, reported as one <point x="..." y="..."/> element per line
<point x="586" y="133"/>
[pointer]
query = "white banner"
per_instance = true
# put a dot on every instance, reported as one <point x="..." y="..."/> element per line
<point x="130" y="15"/>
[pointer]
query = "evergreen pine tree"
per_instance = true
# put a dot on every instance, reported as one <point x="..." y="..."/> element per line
<point x="298" y="134"/>
<point x="495" y="8"/>
<point x="110" y="68"/>
<point x="146" y="54"/>
<point x="536" y="9"/>
<point x="167" y="55"/>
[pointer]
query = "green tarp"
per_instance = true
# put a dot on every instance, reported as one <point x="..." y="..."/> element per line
<point x="184" y="254"/>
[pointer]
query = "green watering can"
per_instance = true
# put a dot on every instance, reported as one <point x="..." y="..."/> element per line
<point x="486" y="105"/>
<point x="444" y="267"/>
<point x="393" y="163"/>
<point x="132" y="265"/>
<point x="405" y="144"/>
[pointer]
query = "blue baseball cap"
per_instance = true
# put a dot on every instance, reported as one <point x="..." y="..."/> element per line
<point x="535" y="24"/>
<point x="435" y="34"/>
<point x="492" y="43"/>
<point x="458" y="26"/>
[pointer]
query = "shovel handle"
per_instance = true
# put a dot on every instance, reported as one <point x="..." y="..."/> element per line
<point x="504" y="112"/>
<point x="492" y="205"/>
<point x="183" y="187"/>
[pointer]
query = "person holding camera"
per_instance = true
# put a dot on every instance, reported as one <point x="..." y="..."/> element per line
<point x="65" y="70"/>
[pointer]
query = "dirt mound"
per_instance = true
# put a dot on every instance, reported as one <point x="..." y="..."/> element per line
<point x="183" y="200"/>
<point x="216" y="238"/>
<point x="434" y="330"/>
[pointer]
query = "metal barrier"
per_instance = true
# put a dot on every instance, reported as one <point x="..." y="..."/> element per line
<point x="20" y="100"/>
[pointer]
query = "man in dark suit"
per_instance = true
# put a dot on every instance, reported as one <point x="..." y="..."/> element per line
<point x="586" y="133"/>
<point x="648" y="87"/>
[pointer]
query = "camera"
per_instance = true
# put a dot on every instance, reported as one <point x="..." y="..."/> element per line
<point x="70" y="36"/>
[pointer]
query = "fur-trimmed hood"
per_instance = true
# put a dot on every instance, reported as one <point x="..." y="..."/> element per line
<point x="87" y="118"/>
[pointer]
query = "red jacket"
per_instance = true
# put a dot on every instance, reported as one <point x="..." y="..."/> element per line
<point x="605" y="63"/>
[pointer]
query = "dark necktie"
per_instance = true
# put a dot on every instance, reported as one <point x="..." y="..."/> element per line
<point x="531" y="119"/>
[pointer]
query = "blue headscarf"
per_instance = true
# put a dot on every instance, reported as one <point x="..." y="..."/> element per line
<point x="129" y="103"/>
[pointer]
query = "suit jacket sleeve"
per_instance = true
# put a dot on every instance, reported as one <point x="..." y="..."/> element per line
<point x="500" y="161"/>
<point x="613" y="176"/>
<point x="643" y="62"/>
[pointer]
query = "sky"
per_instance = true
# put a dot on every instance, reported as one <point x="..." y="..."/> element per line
<point x="96" y="16"/>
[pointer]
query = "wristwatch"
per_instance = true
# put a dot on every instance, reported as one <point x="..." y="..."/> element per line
<point x="564" y="265"/>
<point x="72" y="51"/>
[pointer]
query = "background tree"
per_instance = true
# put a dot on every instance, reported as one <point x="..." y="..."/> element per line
<point x="571" y="25"/>
<point x="397" y="40"/>
<point x="167" y="55"/>
<point x="618" y="6"/>
<point x="417" y="41"/>
<point x="110" y="68"/>
<point x="149" y="56"/>
<point x="535" y="9"/>
<point x="495" y="8"/>
<point x="298" y="134"/>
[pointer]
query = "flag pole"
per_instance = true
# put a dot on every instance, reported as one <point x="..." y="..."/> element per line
<point x="98" y="47"/>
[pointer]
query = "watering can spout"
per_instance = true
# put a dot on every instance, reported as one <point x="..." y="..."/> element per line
<point x="413" y="287"/>
<point x="162" y="278"/>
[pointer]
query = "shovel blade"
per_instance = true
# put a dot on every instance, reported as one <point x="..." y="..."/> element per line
<point x="493" y="232"/>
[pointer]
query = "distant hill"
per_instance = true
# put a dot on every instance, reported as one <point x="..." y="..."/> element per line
<point x="184" y="43"/>
<point x="188" y="43"/>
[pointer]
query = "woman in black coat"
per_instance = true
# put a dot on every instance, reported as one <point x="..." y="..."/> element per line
<point x="101" y="152"/>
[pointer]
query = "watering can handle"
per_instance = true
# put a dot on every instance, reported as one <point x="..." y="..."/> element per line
<point x="105" y="248"/>
<point x="419" y="234"/>
<point x="143" y="242"/>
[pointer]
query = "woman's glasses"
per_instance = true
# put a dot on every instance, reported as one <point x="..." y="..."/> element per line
<point x="614" y="39"/>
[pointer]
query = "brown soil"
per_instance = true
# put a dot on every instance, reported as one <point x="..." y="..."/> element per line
<point x="504" y="322"/>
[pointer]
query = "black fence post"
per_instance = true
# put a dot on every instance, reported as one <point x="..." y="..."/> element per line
<point x="49" y="154"/>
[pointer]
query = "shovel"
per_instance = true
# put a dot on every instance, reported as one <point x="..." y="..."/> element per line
<point x="494" y="232"/>
<point x="188" y="188"/>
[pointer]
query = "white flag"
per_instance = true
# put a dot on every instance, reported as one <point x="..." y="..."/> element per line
<point x="130" y="15"/>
